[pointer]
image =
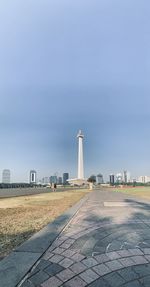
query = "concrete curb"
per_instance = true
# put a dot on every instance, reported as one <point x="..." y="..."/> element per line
<point x="14" y="267"/>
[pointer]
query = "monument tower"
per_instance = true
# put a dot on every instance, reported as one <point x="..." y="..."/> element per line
<point x="80" y="137"/>
<point x="80" y="180"/>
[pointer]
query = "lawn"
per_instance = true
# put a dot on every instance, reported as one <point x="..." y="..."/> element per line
<point x="142" y="192"/>
<point x="21" y="217"/>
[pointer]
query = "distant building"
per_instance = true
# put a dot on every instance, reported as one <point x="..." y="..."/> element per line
<point x="119" y="178"/>
<point x="144" y="179"/>
<point x="126" y="176"/>
<point x="33" y="176"/>
<point x="100" y="179"/>
<point x="59" y="180"/>
<point x="6" y="176"/>
<point x="65" y="177"/>
<point x="53" y="179"/>
<point x="92" y="178"/>
<point x="112" y="179"/>
<point x="46" y="180"/>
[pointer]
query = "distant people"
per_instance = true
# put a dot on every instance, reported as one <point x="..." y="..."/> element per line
<point x="55" y="186"/>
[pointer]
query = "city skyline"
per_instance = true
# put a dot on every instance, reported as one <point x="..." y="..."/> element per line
<point x="73" y="65"/>
<point x="121" y="176"/>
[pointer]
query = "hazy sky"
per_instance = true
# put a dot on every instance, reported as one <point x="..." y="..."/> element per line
<point x="69" y="65"/>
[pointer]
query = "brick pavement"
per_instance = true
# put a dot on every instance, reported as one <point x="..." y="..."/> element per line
<point x="107" y="243"/>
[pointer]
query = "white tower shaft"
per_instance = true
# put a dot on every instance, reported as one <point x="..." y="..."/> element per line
<point x="80" y="156"/>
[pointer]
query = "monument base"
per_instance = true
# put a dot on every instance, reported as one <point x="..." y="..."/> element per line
<point x="77" y="181"/>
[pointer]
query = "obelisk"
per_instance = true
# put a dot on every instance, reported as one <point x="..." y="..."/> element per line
<point x="80" y="137"/>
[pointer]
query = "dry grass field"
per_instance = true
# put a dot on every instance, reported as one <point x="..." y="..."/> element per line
<point x="142" y="192"/>
<point x="21" y="217"/>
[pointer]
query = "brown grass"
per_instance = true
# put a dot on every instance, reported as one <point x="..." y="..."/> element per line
<point x="142" y="192"/>
<point x="21" y="217"/>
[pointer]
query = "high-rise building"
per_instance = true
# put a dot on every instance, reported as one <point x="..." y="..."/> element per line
<point x="46" y="180"/>
<point x="59" y="180"/>
<point x="112" y="179"/>
<point x="100" y="178"/>
<point x="65" y="177"/>
<point x="119" y="178"/>
<point x="53" y="179"/>
<point x="144" y="179"/>
<point x="33" y="176"/>
<point x="126" y="176"/>
<point x="6" y="176"/>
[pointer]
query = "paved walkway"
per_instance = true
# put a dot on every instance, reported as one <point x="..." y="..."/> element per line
<point x="107" y="243"/>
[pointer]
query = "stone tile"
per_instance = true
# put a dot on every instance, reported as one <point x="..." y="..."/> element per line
<point x="89" y="276"/>
<point x="57" y="243"/>
<point x="51" y="248"/>
<point x="58" y="250"/>
<point x="142" y="270"/>
<point x="101" y="269"/>
<point x="63" y="238"/>
<point x="43" y="264"/>
<point x="114" y="279"/>
<point x="78" y="267"/>
<point x="39" y="278"/>
<point x="77" y="236"/>
<point x="90" y="262"/>
<point x="147" y="257"/>
<point x="65" y="245"/>
<point x="124" y="253"/>
<point x="27" y="284"/>
<point x="65" y="275"/>
<point x="102" y="258"/>
<point x="53" y="269"/>
<point x="99" y="283"/>
<point x="146" y="250"/>
<point x="78" y="257"/>
<point x="34" y="271"/>
<point x="134" y="283"/>
<point x="114" y="265"/>
<point x="145" y="281"/>
<point x="75" y="282"/>
<point x="53" y="281"/>
<point x="76" y="249"/>
<point x="126" y="262"/>
<point x="48" y="255"/>
<point x="128" y="274"/>
<point x="136" y="252"/>
<point x="70" y="241"/>
<point x="66" y="262"/>
<point x="139" y="259"/>
<point x="56" y="258"/>
<point x="113" y="255"/>
<point x="68" y="253"/>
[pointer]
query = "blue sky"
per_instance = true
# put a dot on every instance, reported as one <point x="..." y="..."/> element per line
<point x="69" y="65"/>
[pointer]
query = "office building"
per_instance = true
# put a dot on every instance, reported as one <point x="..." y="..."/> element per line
<point x="119" y="178"/>
<point x="59" y="180"/>
<point x="112" y="179"/>
<point x="126" y="176"/>
<point x="46" y="180"/>
<point x="100" y="178"/>
<point x="144" y="179"/>
<point x="6" y="176"/>
<point x="53" y="179"/>
<point x="33" y="176"/>
<point x="65" y="177"/>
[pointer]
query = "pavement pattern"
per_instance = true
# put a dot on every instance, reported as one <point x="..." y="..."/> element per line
<point x="106" y="244"/>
